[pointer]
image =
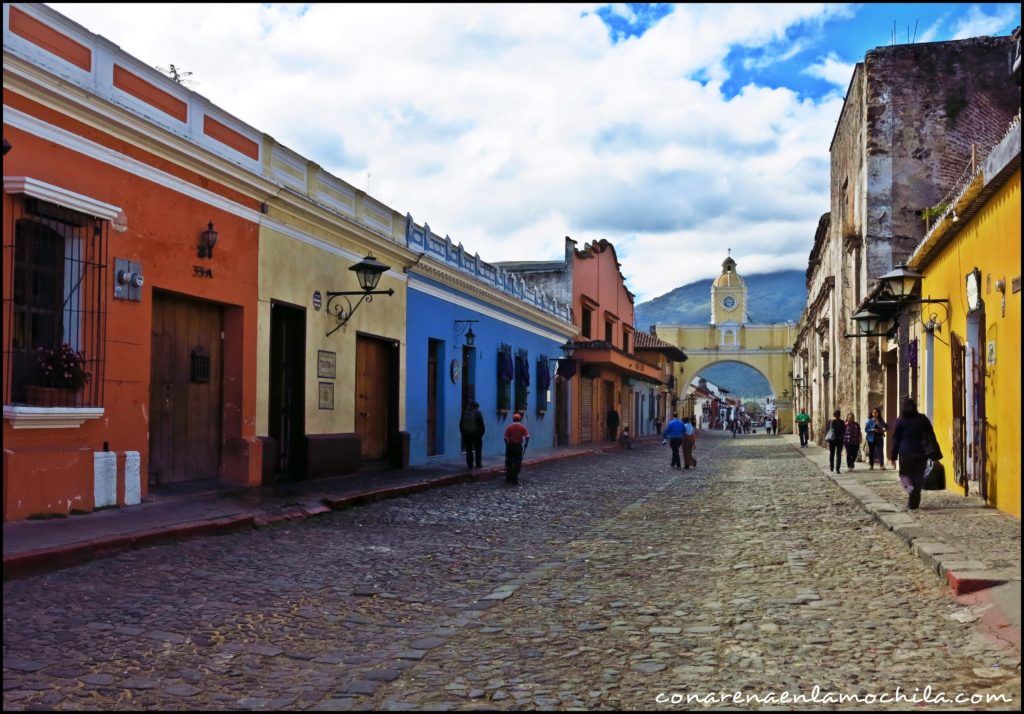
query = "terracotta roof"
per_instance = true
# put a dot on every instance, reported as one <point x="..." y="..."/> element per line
<point x="647" y="341"/>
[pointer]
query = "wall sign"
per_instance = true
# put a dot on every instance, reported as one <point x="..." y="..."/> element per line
<point x="318" y="300"/>
<point x="455" y="370"/>
<point x="326" y="364"/>
<point x="991" y="353"/>
<point x="326" y="392"/>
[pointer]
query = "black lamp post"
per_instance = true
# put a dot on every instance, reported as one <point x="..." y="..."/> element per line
<point x="368" y="272"/>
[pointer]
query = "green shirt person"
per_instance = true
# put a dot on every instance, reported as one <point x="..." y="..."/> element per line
<point x="803" y="421"/>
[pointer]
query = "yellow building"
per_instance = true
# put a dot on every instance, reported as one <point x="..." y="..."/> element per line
<point x="969" y="358"/>
<point x="729" y="337"/>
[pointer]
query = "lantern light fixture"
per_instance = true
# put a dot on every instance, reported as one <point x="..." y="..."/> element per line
<point x="207" y="241"/>
<point x="465" y="327"/>
<point x="368" y="272"/>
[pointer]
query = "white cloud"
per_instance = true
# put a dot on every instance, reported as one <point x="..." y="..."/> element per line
<point x="932" y="33"/>
<point x="977" y="22"/>
<point x="511" y="126"/>
<point x="833" y="70"/>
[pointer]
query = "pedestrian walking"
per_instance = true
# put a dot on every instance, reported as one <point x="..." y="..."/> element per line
<point x="803" y="424"/>
<point x="625" y="441"/>
<point x="689" y="442"/>
<point x="674" y="435"/>
<point x="517" y="438"/>
<point x="913" y="443"/>
<point x="834" y="429"/>
<point x="874" y="434"/>
<point x="612" y="420"/>
<point x="851" y="439"/>
<point x="472" y="428"/>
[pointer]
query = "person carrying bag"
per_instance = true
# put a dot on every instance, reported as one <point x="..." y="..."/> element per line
<point x="914" y="444"/>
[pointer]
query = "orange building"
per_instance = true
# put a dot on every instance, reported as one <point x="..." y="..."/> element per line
<point x="130" y="243"/>
<point x="605" y="375"/>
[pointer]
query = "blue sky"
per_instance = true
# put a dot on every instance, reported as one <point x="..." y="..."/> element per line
<point x="674" y="131"/>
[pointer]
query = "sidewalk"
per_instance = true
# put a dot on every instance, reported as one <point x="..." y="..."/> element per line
<point x="36" y="546"/>
<point x="973" y="547"/>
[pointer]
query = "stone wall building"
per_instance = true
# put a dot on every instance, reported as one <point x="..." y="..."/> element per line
<point x="912" y="117"/>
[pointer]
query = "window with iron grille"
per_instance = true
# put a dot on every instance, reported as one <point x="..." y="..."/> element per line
<point x="55" y="309"/>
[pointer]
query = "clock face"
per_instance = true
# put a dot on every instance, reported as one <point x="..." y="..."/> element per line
<point x="973" y="290"/>
<point x="729" y="302"/>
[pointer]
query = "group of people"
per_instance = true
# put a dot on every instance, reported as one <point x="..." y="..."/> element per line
<point x="846" y="436"/>
<point x="681" y="433"/>
<point x="913" y="444"/>
<point x="517" y="438"/>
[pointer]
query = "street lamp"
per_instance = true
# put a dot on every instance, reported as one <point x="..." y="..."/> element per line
<point x="465" y="327"/>
<point x="901" y="280"/>
<point x="368" y="272"/>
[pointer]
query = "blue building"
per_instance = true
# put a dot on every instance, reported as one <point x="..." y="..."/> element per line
<point x="476" y="332"/>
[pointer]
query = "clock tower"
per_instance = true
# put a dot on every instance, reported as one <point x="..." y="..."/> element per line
<point x="728" y="296"/>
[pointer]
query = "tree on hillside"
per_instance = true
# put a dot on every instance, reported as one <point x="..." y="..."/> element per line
<point x="753" y="408"/>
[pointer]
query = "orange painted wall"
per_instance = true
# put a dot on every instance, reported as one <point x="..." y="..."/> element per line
<point x="163" y="231"/>
<point x="598" y="277"/>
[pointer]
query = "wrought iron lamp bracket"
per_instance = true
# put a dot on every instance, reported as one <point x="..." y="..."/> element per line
<point x="339" y="310"/>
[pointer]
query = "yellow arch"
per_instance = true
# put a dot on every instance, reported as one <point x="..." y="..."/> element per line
<point x="764" y="348"/>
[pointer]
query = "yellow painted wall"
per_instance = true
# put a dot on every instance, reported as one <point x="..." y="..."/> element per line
<point x="290" y="271"/>
<point x="991" y="241"/>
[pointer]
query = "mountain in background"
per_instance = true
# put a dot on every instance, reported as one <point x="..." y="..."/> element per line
<point x="771" y="297"/>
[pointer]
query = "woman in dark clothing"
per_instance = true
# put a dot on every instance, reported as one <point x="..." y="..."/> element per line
<point x="908" y="438"/>
<point x="834" y="434"/>
<point x="851" y="439"/>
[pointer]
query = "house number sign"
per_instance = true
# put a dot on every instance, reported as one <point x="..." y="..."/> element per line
<point x="455" y="370"/>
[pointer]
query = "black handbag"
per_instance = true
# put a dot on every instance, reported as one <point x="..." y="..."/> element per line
<point x="934" y="477"/>
<point x="931" y="446"/>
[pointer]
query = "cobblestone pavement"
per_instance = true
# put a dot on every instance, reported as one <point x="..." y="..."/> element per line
<point x="598" y="583"/>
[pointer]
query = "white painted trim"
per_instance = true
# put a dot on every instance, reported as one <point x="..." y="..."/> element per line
<point x="434" y="291"/>
<point x="61" y="196"/>
<point x="73" y="142"/>
<point x="50" y="417"/>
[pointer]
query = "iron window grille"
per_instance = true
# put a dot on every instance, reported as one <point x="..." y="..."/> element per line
<point x="57" y="272"/>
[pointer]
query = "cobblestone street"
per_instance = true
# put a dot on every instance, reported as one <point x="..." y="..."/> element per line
<point x="599" y="583"/>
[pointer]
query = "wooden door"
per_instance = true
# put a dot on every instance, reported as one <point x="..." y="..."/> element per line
<point x="185" y="390"/>
<point x="373" y="396"/>
<point x="432" y="398"/>
<point x="561" y="411"/>
<point x="956" y="351"/>
<point x="287" y="403"/>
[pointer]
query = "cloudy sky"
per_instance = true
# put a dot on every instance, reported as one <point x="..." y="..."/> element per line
<point x="674" y="131"/>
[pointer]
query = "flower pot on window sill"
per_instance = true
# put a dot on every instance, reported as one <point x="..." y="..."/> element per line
<point x="53" y="396"/>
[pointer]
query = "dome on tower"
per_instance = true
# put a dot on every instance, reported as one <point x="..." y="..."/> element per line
<point x="728" y="278"/>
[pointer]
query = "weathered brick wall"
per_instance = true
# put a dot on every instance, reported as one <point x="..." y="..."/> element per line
<point x="926" y="105"/>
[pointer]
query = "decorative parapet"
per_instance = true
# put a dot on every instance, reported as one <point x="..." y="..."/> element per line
<point x="424" y="240"/>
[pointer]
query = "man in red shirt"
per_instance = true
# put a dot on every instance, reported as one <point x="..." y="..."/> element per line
<point x="516" y="440"/>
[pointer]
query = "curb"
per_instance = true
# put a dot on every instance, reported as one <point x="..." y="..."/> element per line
<point x="43" y="560"/>
<point x="962" y="574"/>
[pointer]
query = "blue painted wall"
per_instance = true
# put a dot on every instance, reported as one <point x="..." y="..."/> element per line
<point x="430" y="317"/>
